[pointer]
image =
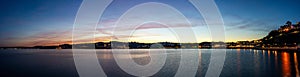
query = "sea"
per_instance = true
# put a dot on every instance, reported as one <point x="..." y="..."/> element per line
<point x="61" y="63"/>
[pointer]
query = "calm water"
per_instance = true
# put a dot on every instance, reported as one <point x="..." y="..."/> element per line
<point x="60" y="63"/>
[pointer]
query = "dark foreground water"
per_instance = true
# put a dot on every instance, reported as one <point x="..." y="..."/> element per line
<point x="60" y="63"/>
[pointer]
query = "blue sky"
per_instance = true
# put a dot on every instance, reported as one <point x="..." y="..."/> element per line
<point x="50" y="22"/>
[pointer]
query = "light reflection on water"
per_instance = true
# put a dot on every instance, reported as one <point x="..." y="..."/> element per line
<point x="239" y="62"/>
<point x="296" y="64"/>
<point x="286" y="69"/>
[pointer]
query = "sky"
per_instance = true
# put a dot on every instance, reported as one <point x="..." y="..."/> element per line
<point x="50" y="22"/>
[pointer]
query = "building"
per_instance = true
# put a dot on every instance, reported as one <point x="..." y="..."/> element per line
<point x="102" y="45"/>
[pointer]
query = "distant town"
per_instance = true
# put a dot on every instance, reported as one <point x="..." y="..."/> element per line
<point x="286" y="37"/>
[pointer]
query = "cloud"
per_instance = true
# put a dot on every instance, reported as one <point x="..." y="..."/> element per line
<point x="246" y="24"/>
<point x="58" y="37"/>
<point x="105" y="28"/>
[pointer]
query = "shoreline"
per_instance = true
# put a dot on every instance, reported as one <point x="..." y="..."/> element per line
<point x="273" y="49"/>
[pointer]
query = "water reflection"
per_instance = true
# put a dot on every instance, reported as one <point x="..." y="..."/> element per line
<point x="296" y="64"/>
<point x="269" y="60"/>
<point x="276" y="61"/>
<point x="199" y="66"/>
<point x="256" y="63"/>
<point x="141" y="58"/>
<point x="239" y="63"/>
<point x="105" y="54"/>
<point x="286" y="69"/>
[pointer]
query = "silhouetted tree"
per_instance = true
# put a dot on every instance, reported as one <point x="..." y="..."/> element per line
<point x="288" y="23"/>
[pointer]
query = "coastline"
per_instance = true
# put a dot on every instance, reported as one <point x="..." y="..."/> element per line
<point x="295" y="49"/>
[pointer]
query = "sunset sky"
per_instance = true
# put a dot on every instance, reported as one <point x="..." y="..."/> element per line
<point x="50" y="22"/>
